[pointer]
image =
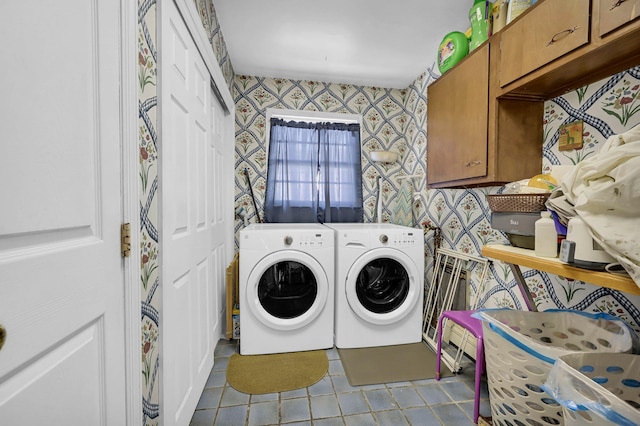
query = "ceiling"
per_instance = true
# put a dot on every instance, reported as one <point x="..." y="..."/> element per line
<point x="383" y="43"/>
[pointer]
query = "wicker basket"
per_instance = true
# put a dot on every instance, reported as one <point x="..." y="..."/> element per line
<point x="527" y="203"/>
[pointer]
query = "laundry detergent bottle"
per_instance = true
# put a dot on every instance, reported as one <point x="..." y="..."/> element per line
<point x="453" y="49"/>
<point x="479" y="18"/>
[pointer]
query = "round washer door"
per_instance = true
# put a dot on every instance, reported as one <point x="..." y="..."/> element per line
<point x="383" y="286"/>
<point x="286" y="290"/>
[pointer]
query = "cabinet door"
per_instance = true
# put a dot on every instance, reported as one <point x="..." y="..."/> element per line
<point x="457" y="117"/>
<point x="615" y="13"/>
<point x="550" y="30"/>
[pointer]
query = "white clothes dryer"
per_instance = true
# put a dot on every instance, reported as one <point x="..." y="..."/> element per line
<point x="379" y="285"/>
<point x="286" y="288"/>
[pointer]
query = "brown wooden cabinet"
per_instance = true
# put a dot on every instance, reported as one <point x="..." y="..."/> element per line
<point x="613" y="37"/>
<point x="547" y="32"/>
<point x="613" y="14"/>
<point x="457" y="121"/>
<point x="484" y="124"/>
<point x="475" y="139"/>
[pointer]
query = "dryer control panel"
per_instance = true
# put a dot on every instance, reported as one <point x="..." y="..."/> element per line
<point x="400" y="239"/>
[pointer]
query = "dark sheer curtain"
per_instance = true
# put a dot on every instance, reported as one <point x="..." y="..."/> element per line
<point x="340" y="196"/>
<point x="314" y="173"/>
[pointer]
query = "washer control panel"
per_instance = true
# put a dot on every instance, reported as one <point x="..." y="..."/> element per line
<point x="308" y="240"/>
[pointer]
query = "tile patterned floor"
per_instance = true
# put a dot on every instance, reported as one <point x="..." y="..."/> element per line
<point x="332" y="401"/>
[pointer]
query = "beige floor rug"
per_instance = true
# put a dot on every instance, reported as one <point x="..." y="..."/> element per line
<point x="258" y="374"/>
<point x="389" y="364"/>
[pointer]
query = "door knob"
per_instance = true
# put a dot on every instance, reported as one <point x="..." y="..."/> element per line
<point x="3" y="336"/>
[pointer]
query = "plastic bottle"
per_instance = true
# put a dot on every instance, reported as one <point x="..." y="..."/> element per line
<point x="453" y="49"/>
<point x="546" y="237"/>
<point x="543" y="181"/>
<point x="479" y="18"/>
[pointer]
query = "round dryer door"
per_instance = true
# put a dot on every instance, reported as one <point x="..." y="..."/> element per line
<point x="383" y="286"/>
<point x="287" y="290"/>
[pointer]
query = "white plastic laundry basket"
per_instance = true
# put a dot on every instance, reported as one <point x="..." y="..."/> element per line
<point x="521" y="347"/>
<point x="597" y="388"/>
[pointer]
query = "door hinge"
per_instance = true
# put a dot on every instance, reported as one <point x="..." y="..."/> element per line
<point x="125" y="239"/>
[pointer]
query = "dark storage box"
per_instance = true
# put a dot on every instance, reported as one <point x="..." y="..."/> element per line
<point x="515" y="223"/>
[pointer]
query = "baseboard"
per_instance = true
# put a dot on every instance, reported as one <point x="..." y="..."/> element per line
<point x="453" y="334"/>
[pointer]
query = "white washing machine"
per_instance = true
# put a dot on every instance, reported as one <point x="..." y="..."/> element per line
<point x="379" y="285"/>
<point x="286" y="288"/>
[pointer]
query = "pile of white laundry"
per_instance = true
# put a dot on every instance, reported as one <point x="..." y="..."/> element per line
<point x="604" y="190"/>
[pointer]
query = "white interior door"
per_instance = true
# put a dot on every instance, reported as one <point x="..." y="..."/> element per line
<point x="192" y="233"/>
<point x="61" y="275"/>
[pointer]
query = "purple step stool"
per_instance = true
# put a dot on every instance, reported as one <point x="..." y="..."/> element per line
<point x="474" y="326"/>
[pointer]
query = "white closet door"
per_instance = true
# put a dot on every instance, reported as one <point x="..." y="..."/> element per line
<point x="219" y="195"/>
<point x="192" y="241"/>
<point x="61" y="276"/>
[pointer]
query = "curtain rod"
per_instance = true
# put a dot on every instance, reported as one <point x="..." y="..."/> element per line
<point x="313" y="119"/>
<point x="313" y="116"/>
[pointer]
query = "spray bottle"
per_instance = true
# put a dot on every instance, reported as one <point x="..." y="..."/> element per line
<point x="241" y="214"/>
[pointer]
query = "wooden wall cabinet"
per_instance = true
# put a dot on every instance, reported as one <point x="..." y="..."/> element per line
<point x="484" y="123"/>
<point x="605" y="42"/>
<point x="457" y="121"/>
<point x="475" y="139"/>
<point x="614" y="14"/>
<point x="548" y="32"/>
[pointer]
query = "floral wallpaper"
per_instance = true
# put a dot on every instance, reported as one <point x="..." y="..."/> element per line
<point x="149" y="244"/>
<point x="392" y="119"/>
<point x="212" y="29"/>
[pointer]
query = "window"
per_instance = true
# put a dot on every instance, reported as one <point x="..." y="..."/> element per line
<point x="314" y="172"/>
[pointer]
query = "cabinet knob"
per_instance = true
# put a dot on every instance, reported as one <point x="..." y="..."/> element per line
<point x="473" y="163"/>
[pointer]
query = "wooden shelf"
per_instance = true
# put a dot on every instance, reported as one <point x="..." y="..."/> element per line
<point x="524" y="257"/>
